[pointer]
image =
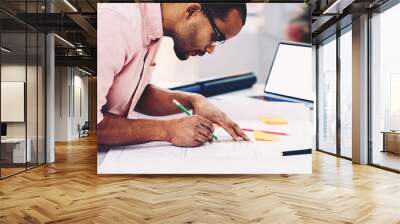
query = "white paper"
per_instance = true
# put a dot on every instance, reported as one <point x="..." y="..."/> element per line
<point x="222" y="157"/>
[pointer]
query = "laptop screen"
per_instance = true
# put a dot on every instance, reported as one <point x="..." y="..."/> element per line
<point x="291" y="72"/>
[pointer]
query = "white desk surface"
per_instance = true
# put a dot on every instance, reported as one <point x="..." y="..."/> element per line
<point x="240" y="108"/>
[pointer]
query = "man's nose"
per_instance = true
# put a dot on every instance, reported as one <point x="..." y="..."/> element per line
<point x="210" y="49"/>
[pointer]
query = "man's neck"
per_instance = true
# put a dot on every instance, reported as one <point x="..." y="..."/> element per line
<point x="168" y="18"/>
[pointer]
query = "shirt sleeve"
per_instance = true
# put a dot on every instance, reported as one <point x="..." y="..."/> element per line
<point x="113" y="48"/>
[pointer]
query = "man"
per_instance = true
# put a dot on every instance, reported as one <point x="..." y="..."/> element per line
<point x="128" y="38"/>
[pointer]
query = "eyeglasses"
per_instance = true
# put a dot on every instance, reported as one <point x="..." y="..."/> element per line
<point x="219" y="36"/>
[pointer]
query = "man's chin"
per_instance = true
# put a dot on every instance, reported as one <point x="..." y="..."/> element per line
<point x="181" y="55"/>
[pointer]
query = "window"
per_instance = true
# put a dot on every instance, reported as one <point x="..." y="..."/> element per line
<point x="327" y="96"/>
<point x="334" y="60"/>
<point x="385" y="89"/>
<point x="346" y="93"/>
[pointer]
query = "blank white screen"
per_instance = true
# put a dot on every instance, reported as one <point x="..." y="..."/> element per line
<point x="291" y="73"/>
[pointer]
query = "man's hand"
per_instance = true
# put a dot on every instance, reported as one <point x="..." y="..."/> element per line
<point x="189" y="131"/>
<point x="202" y="107"/>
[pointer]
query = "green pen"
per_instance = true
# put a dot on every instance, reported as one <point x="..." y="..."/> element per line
<point x="184" y="110"/>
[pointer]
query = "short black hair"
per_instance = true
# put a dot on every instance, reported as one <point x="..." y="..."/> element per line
<point x="221" y="10"/>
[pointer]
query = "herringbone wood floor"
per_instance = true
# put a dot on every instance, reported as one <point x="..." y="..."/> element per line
<point x="70" y="191"/>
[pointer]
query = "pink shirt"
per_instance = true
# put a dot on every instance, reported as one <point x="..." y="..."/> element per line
<point x="128" y="37"/>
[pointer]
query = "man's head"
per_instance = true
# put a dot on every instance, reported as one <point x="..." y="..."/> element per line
<point x="198" y="27"/>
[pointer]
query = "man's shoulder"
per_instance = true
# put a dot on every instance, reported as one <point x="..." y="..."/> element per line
<point x="129" y="11"/>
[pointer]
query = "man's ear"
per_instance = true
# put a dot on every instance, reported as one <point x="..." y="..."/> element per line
<point x="192" y="9"/>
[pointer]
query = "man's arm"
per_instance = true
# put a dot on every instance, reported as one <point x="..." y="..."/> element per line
<point x="187" y="131"/>
<point x="116" y="130"/>
<point x="158" y="102"/>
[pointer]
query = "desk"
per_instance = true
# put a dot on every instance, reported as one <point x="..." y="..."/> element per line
<point x="13" y="150"/>
<point x="233" y="104"/>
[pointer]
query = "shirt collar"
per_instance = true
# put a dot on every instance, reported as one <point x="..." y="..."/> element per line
<point x="151" y="22"/>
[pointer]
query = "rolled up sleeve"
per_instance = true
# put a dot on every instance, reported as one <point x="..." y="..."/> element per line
<point x="112" y="50"/>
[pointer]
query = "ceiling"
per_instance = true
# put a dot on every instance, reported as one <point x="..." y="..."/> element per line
<point x="330" y="15"/>
<point x="74" y="22"/>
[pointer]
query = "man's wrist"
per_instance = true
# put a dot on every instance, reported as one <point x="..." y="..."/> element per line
<point x="196" y="98"/>
<point x="164" y="134"/>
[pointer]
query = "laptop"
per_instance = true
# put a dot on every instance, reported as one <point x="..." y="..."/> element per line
<point x="290" y="77"/>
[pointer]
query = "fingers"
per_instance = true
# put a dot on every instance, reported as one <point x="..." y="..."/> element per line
<point x="207" y="128"/>
<point x="240" y="132"/>
<point x="226" y="124"/>
<point x="201" y="138"/>
<point x="206" y="123"/>
<point x="231" y="132"/>
<point x="233" y="129"/>
<point x="205" y="132"/>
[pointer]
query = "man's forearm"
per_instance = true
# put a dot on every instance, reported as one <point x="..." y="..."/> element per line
<point x="158" y="102"/>
<point x="116" y="130"/>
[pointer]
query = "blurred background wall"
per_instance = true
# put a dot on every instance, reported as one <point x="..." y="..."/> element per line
<point x="251" y="50"/>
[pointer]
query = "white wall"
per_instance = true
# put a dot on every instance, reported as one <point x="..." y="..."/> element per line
<point x="67" y="114"/>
